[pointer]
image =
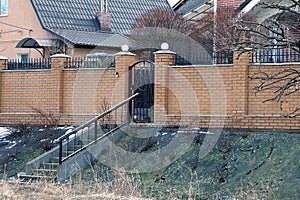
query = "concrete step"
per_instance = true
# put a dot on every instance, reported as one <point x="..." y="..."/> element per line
<point x="54" y="159"/>
<point x="44" y="172"/>
<point x="66" y="153"/>
<point x="85" y="142"/>
<point x="28" y="178"/>
<point x="72" y="147"/>
<point x="50" y="165"/>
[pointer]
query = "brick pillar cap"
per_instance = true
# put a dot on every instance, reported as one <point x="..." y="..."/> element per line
<point x="60" y="56"/>
<point x="3" y="58"/>
<point x="164" y="52"/>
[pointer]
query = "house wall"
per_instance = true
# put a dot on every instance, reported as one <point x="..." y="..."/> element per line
<point x="20" y="20"/>
<point x="229" y="3"/>
<point x="201" y="96"/>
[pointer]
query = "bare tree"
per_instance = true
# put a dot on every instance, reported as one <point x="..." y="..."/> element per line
<point x="278" y="30"/>
<point x="279" y="27"/>
<point x="164" y="25"/>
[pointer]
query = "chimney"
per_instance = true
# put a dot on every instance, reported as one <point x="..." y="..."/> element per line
<point x="104" y="17"/>
<point x="233" y="4"/>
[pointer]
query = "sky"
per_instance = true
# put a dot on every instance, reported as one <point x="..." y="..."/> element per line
<point x="172" y="2"/>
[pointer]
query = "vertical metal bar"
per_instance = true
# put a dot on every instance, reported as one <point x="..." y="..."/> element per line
<point x="60" y="152"/>
<point x="95" y="130"/>
<point x="129" y="115"/>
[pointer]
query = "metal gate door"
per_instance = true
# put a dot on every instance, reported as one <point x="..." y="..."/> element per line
<point x="141" y="77"/>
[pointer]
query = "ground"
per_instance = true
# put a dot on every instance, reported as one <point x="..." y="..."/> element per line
<point x="244" y="164"/>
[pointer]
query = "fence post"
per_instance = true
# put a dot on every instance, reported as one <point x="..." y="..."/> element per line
<point x="123" y="60"/>
<point x="163" y="59"/>
<point x="240" y="93"/>
<point x="58" y="63"/>
<point x="3" y="63"/>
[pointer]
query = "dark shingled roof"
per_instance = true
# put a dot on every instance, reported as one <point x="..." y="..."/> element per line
<point x="93" y="38"/>
<point x="190" y="5"/>
<point x="244" y="4"/>
<point x="75" y="20"/>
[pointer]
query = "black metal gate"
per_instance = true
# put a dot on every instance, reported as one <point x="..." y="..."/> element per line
<point x="141" y="77"/>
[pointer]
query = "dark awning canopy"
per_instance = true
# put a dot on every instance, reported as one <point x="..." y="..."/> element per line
<point x="38" y="43"/>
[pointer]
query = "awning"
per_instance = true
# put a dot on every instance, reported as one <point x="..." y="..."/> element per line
<point x="38" y="43"/>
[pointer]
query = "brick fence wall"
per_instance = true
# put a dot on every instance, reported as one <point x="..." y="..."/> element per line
<point x="224" y="96"/>
<point x="202" y="96"/>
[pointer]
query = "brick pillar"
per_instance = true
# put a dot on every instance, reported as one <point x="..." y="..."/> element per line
<point x="163" y="59"/>
<point x="3" y="62"/>
<point x="58" y="63"/>
<point x="123" y="60"/>
<point x="240" y="91"/>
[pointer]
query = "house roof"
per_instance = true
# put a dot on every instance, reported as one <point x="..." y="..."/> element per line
<point x="75" y="20"/>
<point x="93" y="38"/>
<point x="184" y="7"/>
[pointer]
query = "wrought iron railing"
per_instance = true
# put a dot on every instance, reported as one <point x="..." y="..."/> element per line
<point x="275" y="55"/>
<point x="92" y="131"/>
<point x="91" y="62"/>
<point x="30" y="64"/>
<point x="224" y="57"/>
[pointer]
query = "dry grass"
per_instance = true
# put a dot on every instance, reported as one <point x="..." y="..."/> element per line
<point x="120" y="189"/>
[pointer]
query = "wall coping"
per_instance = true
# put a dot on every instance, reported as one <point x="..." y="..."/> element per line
<point x="60" y="56"/>
<point x="274" y="64"/>
<point x="3" y="58"/>
<point x="196" y="66"/>
<point x="87" y="69"/>
<point x="25" y="70"/>
<point x="124" y="53"/>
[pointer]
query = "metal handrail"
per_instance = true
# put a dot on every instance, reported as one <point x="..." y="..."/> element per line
<point x="86" y="124"/>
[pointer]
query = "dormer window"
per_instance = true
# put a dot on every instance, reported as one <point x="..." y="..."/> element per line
<point x="3" y="7"/>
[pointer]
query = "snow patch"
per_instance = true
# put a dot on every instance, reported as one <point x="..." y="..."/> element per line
<point x="4" y="132"/>
<point x="12" y="145"/>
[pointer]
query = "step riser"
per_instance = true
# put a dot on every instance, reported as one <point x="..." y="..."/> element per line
<point x="43" y="172"/>
<point x="51" y="166"/>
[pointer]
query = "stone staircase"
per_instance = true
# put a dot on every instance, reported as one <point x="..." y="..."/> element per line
<point x="47" y="166"/>
<point x="76" y="150"/>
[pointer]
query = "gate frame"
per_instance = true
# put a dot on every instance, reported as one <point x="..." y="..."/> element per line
<point x="131" y="89"/>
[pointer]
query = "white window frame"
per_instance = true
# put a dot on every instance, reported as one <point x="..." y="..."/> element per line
<point x="20" y="55"/>
<point x="4" y="3"/>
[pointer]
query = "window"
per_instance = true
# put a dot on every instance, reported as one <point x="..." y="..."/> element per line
<point x="22" y="57"/>
<point x="275" y="53"/>
<point x="3" y="7"/>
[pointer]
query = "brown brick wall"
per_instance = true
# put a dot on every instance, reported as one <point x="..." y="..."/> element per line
<point x="85" y="91"/>
<point x="215" y="96"/>
<point x="21" y="91"/>
<point x="245" y="107"/>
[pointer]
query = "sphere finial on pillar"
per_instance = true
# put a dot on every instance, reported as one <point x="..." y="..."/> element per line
<point x="164" y="46"/>
<point x="125" y="48"/>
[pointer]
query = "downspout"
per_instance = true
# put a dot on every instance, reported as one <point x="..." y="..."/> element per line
<point x="214" y="33"/>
